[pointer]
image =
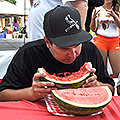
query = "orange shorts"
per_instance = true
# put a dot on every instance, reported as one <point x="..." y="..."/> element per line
<point x="107" y="43"/>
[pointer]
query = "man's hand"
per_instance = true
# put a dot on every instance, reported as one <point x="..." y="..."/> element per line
<point x="91" y="81"/>
<point x="40" y="88"/>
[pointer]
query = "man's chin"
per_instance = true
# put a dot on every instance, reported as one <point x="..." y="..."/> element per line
<point x="68" y="62"/>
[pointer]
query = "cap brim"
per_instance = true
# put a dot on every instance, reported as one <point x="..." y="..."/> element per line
<point x="71" y="40"/>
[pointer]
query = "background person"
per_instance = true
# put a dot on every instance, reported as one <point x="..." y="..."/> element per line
<point x="106" y="22"/>
<point x="19" y="27"/>
<point x="91" y="5"/>
<point x="40" y="7"/>
<point x="15" y="29"/>
<point x="65" y="48"/>
<point x="5" y="31"/>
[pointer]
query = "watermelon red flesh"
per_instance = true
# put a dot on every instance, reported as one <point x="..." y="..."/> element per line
<point x="84" y="96"/>
<point x="74" y="76"/>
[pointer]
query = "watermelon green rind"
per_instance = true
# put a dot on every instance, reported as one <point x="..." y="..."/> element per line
<point x="76" y="110"/>
<point x="79" y="109"/>
<point x="66" y="84"/>
<point x="58" y="85"/>
<point x="75" y="84"/>
<point x="86" y="106"/>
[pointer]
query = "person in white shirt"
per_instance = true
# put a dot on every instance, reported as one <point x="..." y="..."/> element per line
<point x="40" y="7"/>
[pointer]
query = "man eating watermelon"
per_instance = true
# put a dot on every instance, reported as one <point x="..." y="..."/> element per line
<point x="64" y="49"/>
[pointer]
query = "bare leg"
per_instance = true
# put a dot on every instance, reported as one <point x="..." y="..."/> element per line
<point x="104" y="55"/>
<point x="114" y="58"/>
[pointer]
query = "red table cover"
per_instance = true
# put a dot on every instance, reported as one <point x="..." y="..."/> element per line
<point x="25" y="110"/>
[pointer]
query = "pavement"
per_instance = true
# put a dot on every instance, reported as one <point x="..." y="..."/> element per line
<point x="12" y="44"/>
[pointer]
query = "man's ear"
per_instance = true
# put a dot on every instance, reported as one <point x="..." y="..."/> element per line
<point x="47" y="42"/>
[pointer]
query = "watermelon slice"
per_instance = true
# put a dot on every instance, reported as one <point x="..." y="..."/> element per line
<point x="75" y="80"/>
<point x="82" y="101"/>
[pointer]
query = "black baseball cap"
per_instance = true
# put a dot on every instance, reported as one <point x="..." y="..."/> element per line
<point x="62" y="26"/>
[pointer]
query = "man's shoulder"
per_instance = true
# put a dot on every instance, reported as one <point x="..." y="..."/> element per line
<point x="32" y="44"/>
<point x="88" y="43"/>
<point x="89" y="46"/>
<point x="32" y="48"/>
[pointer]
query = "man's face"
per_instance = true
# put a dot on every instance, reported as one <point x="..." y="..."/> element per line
<point x="65" y="55"/>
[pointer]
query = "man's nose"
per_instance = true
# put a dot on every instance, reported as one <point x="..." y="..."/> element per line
<point x="72" y="52"/>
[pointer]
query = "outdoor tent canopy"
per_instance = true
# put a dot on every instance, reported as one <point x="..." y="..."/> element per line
<point x="9" y="10"/>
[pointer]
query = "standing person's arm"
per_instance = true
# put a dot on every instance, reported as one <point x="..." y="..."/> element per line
<point x="114" y="15"/>
<point x="31" y="2"/>
<point x="82" y="7"/>
<point x="94" y="20"/>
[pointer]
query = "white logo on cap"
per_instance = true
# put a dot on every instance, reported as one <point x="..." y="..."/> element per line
<point x="71" y="22"/>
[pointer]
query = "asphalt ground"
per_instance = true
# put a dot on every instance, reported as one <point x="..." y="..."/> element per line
<point x="12" y="44"/>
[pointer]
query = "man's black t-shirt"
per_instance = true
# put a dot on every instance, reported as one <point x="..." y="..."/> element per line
<point x="34" y="55"/>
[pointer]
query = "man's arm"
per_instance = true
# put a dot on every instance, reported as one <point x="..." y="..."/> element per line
<point x="92" y="81"/>
<point x="37" y="91"/>
<point x="82" y="7"/>
<point x="15" y="95"/>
